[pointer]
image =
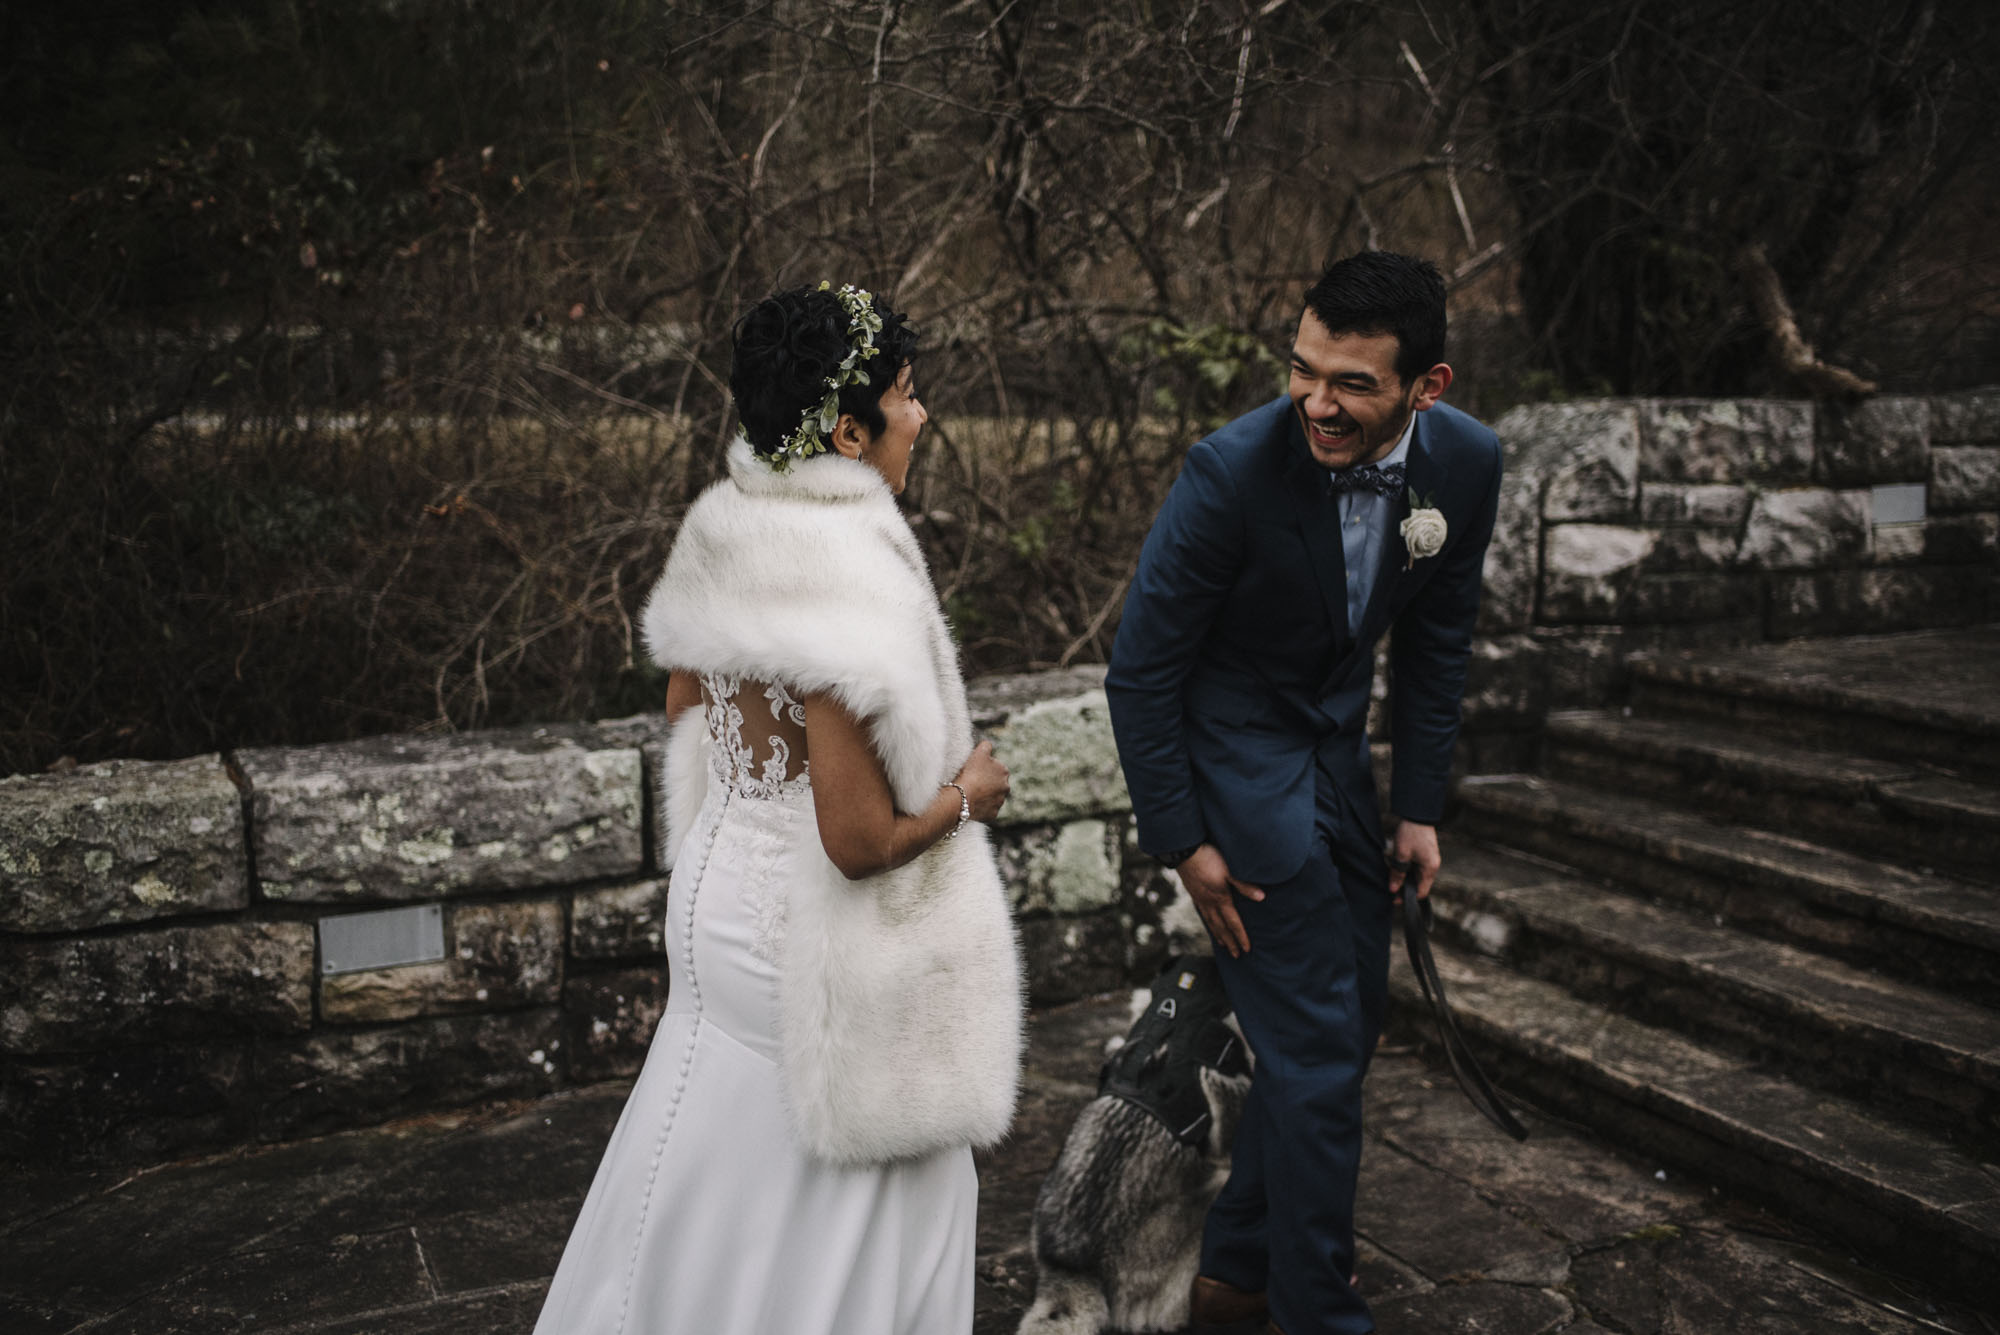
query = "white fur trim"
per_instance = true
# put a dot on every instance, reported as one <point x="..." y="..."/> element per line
<point x="900" y="1006"/>
<point x="684" y="783"/>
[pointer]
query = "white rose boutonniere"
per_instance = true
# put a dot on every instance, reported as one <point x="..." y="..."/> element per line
<point x="1424" y="531"/>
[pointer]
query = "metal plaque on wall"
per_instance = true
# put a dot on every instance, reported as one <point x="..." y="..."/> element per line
<point x="1899" y="503"/>
<point x="381" y="940"/>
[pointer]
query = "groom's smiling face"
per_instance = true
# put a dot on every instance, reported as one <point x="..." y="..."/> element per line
<point x="1350" y="401"/>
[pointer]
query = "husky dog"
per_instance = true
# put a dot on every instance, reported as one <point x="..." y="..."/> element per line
<point x="1117" y="1228"/>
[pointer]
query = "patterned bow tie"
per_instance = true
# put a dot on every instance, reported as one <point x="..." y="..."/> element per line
<point x="1382" y="479"/>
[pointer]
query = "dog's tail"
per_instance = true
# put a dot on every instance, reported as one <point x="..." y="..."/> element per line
<point x="1065" y="1304"/>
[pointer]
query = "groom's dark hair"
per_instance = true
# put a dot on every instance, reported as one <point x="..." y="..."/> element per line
<point x="1381" y="292"/>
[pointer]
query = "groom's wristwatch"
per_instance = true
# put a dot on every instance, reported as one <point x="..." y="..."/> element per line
<point x="1178" y="856"/>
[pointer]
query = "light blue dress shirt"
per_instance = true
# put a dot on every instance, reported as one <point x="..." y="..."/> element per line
<point x="1364" y="530"/>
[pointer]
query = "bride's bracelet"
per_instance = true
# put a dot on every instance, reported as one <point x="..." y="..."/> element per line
<point x="964" y="809"/>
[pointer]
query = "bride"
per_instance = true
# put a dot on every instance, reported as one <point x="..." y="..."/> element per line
<point x="843" y="1018"/>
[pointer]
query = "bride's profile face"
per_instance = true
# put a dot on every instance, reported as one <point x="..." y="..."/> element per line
<point x="888" y="450"/>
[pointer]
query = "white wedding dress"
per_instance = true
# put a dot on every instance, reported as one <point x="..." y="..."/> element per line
<point x="705" y="1217"/>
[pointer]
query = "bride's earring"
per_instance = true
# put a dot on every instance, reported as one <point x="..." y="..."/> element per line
<point x="848" y="437"/>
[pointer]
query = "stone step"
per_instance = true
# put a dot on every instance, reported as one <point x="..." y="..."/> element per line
<point x="1891" y="1192"/>
<point x="1931" y="697"/>
<point x="1884" y="808"/>
<point x="1911" y="925"/>
<point x="1926" y="1055"/>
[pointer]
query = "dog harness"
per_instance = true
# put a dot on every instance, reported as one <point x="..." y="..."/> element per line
<point x="1182" y="1030"/>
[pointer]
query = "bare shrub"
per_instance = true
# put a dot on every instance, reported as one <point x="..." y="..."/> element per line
<point x="357" y="365"/>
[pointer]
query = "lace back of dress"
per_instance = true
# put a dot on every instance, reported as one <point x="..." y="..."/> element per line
<point x="757" y="729"/>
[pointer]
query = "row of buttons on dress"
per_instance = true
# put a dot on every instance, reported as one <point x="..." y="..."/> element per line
<point x="687" y="1060"/>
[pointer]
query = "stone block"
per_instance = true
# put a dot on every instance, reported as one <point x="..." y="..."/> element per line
<point x="148" y="1102"/>
<point x="1726" y="440"/>
<point x="619" y="921"/>
<point x="1505" y="680"/>
<point x="1884" y="439"/>
<point x="1378" y="687"/>
<point x="1584" y="666"/>
<point x="647" y="734"/>
<point x="1967" y="539"/>
<point x="997" y="697"/>
<point x="1505" y="748"/>
<point x="1068" y="958"/>
<point x="1163" y="919"/>
<point x="1968" y="418"/>
<point x="653" y="766"/>
<point x="1024" y="853"/>
<point x="1063" y="760"/>
<point x="1965" y="477"/>
<point x="496" y="956"/>
<point x="1712" y="504"/>
<point x="119" y="842"/>
<point x="1588" y="569"/>
<point x="1513" y="558"/>
<point x="1885" y="598"/>
<point x="1070" y="868"/>
<point x="631" y="732"/>
<point x="1083" y="868"/>
<point x="415" y="817"/>
<point x="1693" y="598"/>
<point x="610" y="1018"/>
<point x="1594" y="551"/>
<point x="1682" y="548"/>
<point x="1806" y="528"/>
<point x="162" y="983"/>
<point x="340" y="1077"/>
<point x="1898" y="544"/>
<point x="1583" y="457"/>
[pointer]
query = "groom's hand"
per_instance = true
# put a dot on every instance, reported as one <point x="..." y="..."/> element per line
<point x="1212" y="889"/>
<point x="1413" y="851"/>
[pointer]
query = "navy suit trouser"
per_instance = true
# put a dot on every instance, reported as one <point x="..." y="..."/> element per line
<point x="1310" y="995"/>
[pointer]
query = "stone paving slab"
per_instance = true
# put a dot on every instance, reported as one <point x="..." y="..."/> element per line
<point x="451" y="1224"/>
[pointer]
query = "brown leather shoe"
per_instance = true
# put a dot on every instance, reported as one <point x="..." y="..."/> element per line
<point x="1216" y="1306"/>
<point x="1272" y="1327"/>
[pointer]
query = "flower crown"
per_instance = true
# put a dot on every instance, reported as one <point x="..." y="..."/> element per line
<point x="816" y="428"/>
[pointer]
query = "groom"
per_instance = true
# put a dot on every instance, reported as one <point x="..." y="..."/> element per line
<point x="1294" y="538"/>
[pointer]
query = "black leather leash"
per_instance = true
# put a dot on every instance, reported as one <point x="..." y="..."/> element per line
<point x="1416" y="939"/>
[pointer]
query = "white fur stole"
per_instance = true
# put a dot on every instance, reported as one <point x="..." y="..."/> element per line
<point x="900" y="996"/>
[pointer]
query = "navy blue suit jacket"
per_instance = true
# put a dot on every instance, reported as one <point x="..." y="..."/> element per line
<point x="1235" y="669"/>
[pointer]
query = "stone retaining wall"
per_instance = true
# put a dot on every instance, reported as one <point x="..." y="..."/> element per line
<point x="160" y="939"/>
<point x="160" y="945"/>
<point x="1642" y="524"/>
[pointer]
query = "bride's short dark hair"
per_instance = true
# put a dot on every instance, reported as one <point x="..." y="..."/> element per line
<point x="789" y="343"/>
